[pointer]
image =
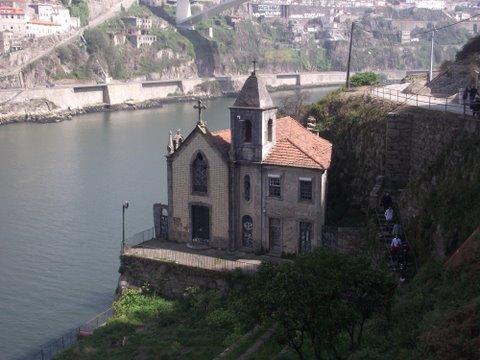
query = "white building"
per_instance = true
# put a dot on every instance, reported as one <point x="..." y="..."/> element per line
<point x="431" y="4"/>
<point x="12" y="19"/>
<point x="40" y="28"/>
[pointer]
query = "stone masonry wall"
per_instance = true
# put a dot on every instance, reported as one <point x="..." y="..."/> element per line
<point x="398" y="143"/>
<point x="168" y="279"/>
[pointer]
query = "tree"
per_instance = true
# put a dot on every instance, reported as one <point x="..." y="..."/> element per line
<point x="323" y="297"/>
<point x="293" y="105"/>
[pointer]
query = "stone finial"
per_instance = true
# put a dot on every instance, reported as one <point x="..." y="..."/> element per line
<point x="177" y="140"/>
<point x="170" y="147"/>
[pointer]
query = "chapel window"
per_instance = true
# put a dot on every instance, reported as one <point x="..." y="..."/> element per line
<point x="269" y="130"/>
<point x="274" y="186"/>
<point x="199" y="174"/>
<point x="305" y="189"/>
<point x="247" y="131"/>
<point x="246" y="187"/>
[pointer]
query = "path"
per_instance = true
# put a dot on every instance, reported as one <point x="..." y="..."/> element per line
<point x="93" y="23"/>
<point x="394" y="93"/>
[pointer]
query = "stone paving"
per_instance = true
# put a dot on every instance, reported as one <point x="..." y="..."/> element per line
<point x="208" y="258"/>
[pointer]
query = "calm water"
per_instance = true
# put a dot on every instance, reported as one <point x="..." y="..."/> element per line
<point x="61" y="192"/>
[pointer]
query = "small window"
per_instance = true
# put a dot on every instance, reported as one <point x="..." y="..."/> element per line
<point x="269" y="130"/>
<point x="246" y="187"/>
<point x="247" y="131"/>
<point x="274" y="187"/>
<point x="247" y="230"/>
<point x="305" y="240"/>
<point x="306" y="189"/>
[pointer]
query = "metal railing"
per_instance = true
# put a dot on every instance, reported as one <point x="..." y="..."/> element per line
<point x="52" y="348"/>
<point x="423" y="101"/>
<point x="140" y="237"/>
<point x="192" y="260"/>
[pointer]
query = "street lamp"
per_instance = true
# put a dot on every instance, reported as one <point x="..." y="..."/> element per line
<point x="124" y="207"/>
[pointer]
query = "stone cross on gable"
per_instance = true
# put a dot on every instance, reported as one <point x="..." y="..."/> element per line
<point x="200" y="107"/>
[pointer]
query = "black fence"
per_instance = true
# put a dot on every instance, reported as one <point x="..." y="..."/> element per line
<point x="52" y="348"/>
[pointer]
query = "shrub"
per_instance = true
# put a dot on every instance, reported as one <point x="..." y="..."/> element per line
<point x="364" y="79"/>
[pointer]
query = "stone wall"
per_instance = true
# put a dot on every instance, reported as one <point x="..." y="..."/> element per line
<point x="170" y="280"/>
<point x="398" y="146"/>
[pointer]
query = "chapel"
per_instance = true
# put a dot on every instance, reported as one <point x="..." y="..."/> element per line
<point x="259" y="186"/>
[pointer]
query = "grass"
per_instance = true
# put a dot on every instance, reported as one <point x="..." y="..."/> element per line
<point x="150" y="327"/>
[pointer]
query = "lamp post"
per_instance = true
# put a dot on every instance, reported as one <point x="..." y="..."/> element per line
<point x="124" y="207"/>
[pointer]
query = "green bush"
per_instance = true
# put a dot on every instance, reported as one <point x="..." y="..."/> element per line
<point x="364" y="79"/>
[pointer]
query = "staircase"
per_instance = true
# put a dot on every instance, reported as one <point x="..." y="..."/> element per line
<point x="385" y="235"/>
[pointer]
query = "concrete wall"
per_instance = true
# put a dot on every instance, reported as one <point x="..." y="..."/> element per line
<point x="216" y="198"/>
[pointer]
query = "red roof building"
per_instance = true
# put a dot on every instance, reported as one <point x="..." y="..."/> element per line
<point x="259" y="186"/>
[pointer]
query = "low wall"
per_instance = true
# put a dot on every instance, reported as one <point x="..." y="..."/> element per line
<point x="81" y="96"/>
<point x="170" y="280"/>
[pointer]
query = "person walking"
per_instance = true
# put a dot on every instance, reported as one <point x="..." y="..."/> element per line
<point x="389" y="214"/>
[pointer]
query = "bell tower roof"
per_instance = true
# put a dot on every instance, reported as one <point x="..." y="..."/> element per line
<point x="254" y="94"/>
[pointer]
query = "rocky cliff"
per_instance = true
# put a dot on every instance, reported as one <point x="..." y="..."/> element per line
<point x="432" y="157"/>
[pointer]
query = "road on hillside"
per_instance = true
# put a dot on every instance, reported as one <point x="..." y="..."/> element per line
<point x="93" y="23"/>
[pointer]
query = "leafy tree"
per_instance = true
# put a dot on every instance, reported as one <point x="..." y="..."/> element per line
<point x="323" y="298"/>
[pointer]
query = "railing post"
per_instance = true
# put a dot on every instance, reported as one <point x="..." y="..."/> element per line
<point x="446" y="104"/>
<point x="417" y="99"/>
<point x="464" y="110"/>
<point x="429" y="102"/>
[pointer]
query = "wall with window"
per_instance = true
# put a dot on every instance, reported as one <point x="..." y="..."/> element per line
<point x="183" y="197"/>
<point x="296" y="197"/>
<point x="249" y="204"/>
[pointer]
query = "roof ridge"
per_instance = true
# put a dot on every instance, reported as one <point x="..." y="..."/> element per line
<point x="303" y="151"/>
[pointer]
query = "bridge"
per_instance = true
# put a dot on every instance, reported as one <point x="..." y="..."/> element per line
<point x="184" y="17"/>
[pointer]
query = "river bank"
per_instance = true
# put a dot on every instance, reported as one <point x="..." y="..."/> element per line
<point x="43" y="112"/>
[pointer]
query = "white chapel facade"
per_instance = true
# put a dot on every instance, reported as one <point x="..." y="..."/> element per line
<point x="259" y="186"/>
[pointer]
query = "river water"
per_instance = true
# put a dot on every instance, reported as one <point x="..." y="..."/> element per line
<point x="61" y="192"/>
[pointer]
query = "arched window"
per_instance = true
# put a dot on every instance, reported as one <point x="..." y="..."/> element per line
<point x="199" y="174"/>
<point x="247" y="131"/>
<point x="246" y="187"/>
<point x="269" y="130"/>
<point x="247" y="229"/>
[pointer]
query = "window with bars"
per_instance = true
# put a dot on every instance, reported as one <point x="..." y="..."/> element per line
<point x="305" y="189"/>
<point x="274" y="187"/>
<point x="199" y="174"/>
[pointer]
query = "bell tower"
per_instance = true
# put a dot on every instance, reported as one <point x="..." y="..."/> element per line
<point x="253" y="121"/>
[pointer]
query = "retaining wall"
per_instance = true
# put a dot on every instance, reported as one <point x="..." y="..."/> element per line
<point x="171" y="280"/>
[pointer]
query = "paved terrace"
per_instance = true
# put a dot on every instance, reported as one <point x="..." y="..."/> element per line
<point x="394" y="93"/>
<point x="209" y="259"/>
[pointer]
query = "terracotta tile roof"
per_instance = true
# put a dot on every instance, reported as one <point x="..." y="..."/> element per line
<point x="11" y="10"/>
<point x="286" y="153"/>
<point x="316" y="148"/>
<point x="222" y="139"/>
<point x="295" y="146"/>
